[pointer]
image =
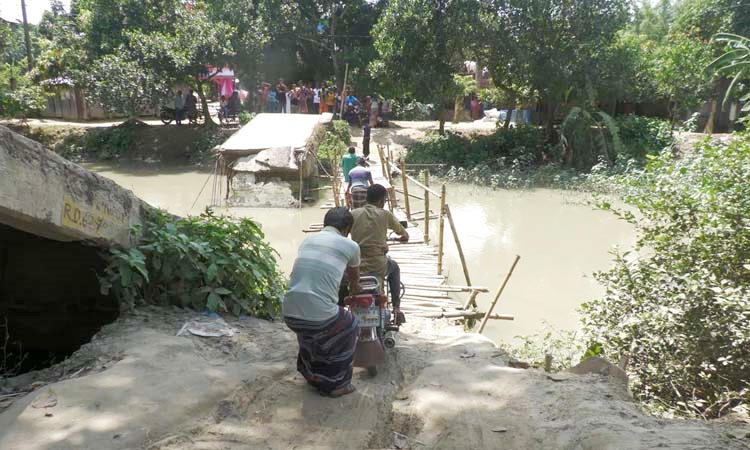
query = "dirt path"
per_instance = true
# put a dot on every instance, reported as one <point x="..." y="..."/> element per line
<point x="441" y="388"/>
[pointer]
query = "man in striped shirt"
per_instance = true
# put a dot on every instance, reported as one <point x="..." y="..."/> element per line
<point x="326" y="332"/>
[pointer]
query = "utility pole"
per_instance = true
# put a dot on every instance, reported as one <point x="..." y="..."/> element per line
<point x="26" y="35"/>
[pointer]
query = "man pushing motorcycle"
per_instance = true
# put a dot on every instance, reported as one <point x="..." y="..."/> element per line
<point x="370" y="231"/>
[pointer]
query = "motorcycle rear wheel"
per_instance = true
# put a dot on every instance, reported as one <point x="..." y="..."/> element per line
<point x="166" y="118"/>
<point x="372" y="371"/>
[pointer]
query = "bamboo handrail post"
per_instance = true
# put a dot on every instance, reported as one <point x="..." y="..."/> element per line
<point x="415" y="181"/>
<point x="426" y="208"/>
<point x="458" y="244"/>
<point x="472" y="300"/>
<point x="382" y="160"/>
<point x="406" y="189"/>
<point x="441" y="229"/>
<point x="499" y="292"/>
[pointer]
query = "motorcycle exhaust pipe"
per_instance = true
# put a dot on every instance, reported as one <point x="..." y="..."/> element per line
<point x="390" y="339"/>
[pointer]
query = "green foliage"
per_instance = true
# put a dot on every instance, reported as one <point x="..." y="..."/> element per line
<point x="735" y="62"/>
<point x="643" y="136"/>
<point x="410" y="109"/>
<point x="333" y="143"/>
<point x="551" y="47"/>
<point x="245" y="117"/>
<point x="680" y="74"/>
<point x="588" y="137"/>
<point x="678" y="306"/>
<point x="524" y="143"/>
<point x="519" y="157"/>
<point x="105" y="143"/>
<point x="564" y="346"/>
<point x="207" y="262"/>
<point x="26" y="100"/>
<point x="122" y="86"/>
<point x="421" y="44"/>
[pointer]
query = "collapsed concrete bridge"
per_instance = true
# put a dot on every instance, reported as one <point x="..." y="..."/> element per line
<point x="56" y="218"/>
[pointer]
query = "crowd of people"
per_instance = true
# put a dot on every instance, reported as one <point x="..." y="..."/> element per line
<point x="311" y="98"/>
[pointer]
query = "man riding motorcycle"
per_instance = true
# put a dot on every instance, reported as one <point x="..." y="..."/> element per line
<point x="370" y="230"/>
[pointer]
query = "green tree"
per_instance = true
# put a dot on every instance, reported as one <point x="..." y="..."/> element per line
<point x="680" y="74"/>
<point x="421" y="44"/>
<point x="550" y="46"/>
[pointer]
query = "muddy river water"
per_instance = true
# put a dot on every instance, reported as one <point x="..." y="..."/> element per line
<point x="561" y="241"/>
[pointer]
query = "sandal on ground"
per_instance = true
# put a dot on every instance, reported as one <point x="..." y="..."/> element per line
<point x="400" y="318"/>
<point x="339" y="392"/>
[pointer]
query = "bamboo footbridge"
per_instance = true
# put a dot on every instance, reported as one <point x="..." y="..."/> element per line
<point x="427" y="292"/>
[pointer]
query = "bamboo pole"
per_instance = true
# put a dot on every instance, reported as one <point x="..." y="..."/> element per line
<point x="343" y="92"/>
<point x="472" y="299"/>
<point x="402" y="172"/>
<point x="301" y="182"/>
<point x="405" y="194"/>
<point x="406" y="189"/>
<point x="335" y="182"/>
<point x="441" y="230"/>
<point x="458" y="244"/>
<point x="499" y="292"/>
<point x="426" y="208"/>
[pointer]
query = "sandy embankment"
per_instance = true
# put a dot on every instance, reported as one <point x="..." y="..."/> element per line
<point x="138" y="386"/>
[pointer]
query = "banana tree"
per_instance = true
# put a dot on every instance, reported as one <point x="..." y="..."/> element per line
<point x="734" y="62"/>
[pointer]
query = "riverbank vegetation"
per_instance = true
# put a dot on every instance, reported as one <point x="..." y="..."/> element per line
<point x="129" y="141"/>
<point x="208" y="262"/>
<point x="520" y="157"/>
<point x="678" y="306"/>
<point x="332" y="143"/>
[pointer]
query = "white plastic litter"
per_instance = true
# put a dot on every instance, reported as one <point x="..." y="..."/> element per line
<point x="209" y="326"/>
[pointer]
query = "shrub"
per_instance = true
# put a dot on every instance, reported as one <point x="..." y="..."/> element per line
<point x="332" y="142"/>
<point x="643" y="136"/>
<point x="408" y="109"/>
<point x="524" y="143"/>
<point x="245" y="117"/>
<point x="679" y="307"/>
<point x="23" y="102"/>
<point x="206" y="262"/>
<point x="109" y="143"/>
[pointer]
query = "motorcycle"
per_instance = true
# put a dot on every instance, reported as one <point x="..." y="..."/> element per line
<point x="376" y="329"/>
<point x="167" y="115"/>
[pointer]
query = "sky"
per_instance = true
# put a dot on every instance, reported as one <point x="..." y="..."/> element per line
<point x="10" y="10"/>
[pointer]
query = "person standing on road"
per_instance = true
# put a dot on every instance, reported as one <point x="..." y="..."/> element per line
<point x="331" y="100"/>
<point x="179" y="107"/>
<point x="326" y="332"/>
<point x="281" y="90"/>
<point x="366" y="140"/>
<point x="191" y="106"/>
<point x="315" y="100"/>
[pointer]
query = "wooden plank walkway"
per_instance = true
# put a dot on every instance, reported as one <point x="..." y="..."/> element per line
<point x="427" y="292"/>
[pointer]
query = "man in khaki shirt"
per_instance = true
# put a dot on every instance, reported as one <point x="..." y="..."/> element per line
<point x="370" y="231"/>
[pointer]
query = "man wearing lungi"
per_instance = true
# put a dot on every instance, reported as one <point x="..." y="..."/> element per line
<point x="360" y="178"/>
<point x="326" y="332"/>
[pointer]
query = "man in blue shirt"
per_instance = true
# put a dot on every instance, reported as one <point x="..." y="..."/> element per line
<point x="351" y="100"/>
